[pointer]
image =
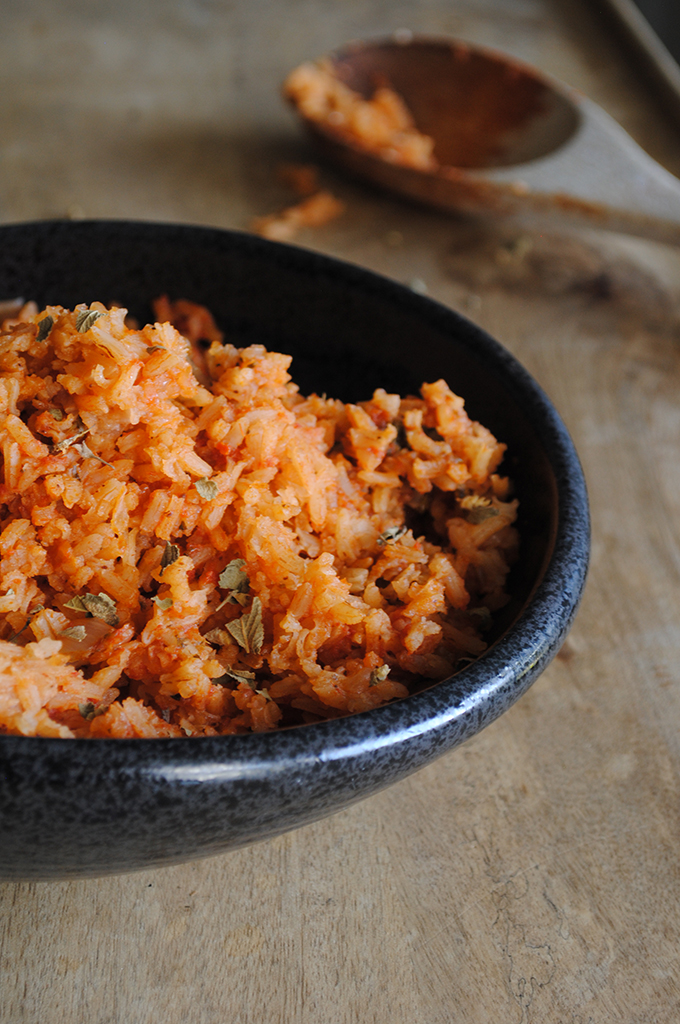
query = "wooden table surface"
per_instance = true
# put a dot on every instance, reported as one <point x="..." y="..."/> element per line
<point x="531" y="875"/>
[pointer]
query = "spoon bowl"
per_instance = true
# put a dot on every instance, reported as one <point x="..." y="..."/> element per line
<point x="504" y="113"/>
<point x="508" y="140"/>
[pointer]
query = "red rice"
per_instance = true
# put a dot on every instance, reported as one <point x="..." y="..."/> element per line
<point x="134" y="476"/>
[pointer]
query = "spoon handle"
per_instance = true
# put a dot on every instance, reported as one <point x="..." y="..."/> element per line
<point x="599" y="176"/>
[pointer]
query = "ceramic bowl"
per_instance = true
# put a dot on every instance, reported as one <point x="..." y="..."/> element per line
<point x="89" y="807"/>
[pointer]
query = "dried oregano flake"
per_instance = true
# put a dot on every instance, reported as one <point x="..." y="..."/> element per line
<point x="44" y="327"/>
<point x="68" y="442"/>
<point x="74" y="632"/>
<point x="234" y="577"/>
<point x="170" y="555"/>
<point x="239" y="675"/>
<point x="89" y="710"/>
<point x="163" y="603"/>
<point x="85" y="319"/>
<point x="378" y="675"/>
<point x="392" y="535"/>
<point x="478" y="508"/>
<point x="87" y="453"/>
<point x="206" y="488"/>
<point x="248" y="631"/>
<point x="217" y="636"/>
<point x="100" y="606"/>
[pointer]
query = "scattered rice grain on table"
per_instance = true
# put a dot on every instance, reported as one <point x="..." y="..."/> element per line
<point x="319" y="209"/>
<point x="190" y="547"/>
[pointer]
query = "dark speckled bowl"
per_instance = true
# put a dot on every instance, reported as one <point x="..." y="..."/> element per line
<point x="77" y="807"/>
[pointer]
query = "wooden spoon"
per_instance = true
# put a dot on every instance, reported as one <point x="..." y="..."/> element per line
<point x="508" y="140"/>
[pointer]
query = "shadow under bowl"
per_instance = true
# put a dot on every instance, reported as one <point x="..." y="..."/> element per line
<point x="72" y="808"/>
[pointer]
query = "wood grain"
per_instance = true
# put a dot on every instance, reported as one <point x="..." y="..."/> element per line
<point x="531" y="877"/>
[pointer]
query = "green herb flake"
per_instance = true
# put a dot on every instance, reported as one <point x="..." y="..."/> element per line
<point x="378" y="675"/>
<point x="76" y="604"/>
<point x="101" y="607"/>
<point x="233" y="577"/>
<point x="156" y="348"/>
<point x="481" y="513"/>
<point x="217" y="636"/>
<point x="85" y="319"/>
<point x="44" y="327"/>
<point x="206" y="488"/>
<point x="233" y="598"/>
<point x="265" y="694"/>
<point x="163" y="603"/>
<point x="68" y="442"/>
<point x="392" y="535"/>
<point x="237" y="674"/>
<point x="87" y="453"/>
<point x="74" y="632"/>
<point x="248" y="631"/>
<point x="89" y="710"/>
<point x="57" y="414"/>
<point x="170" y="555"/>
<point x="478" y="508"/>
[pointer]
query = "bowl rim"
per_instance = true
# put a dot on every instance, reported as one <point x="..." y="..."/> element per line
<point x="473" y="695"/>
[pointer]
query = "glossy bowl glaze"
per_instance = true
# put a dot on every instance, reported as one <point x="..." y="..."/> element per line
<point x="72" y="808"/>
